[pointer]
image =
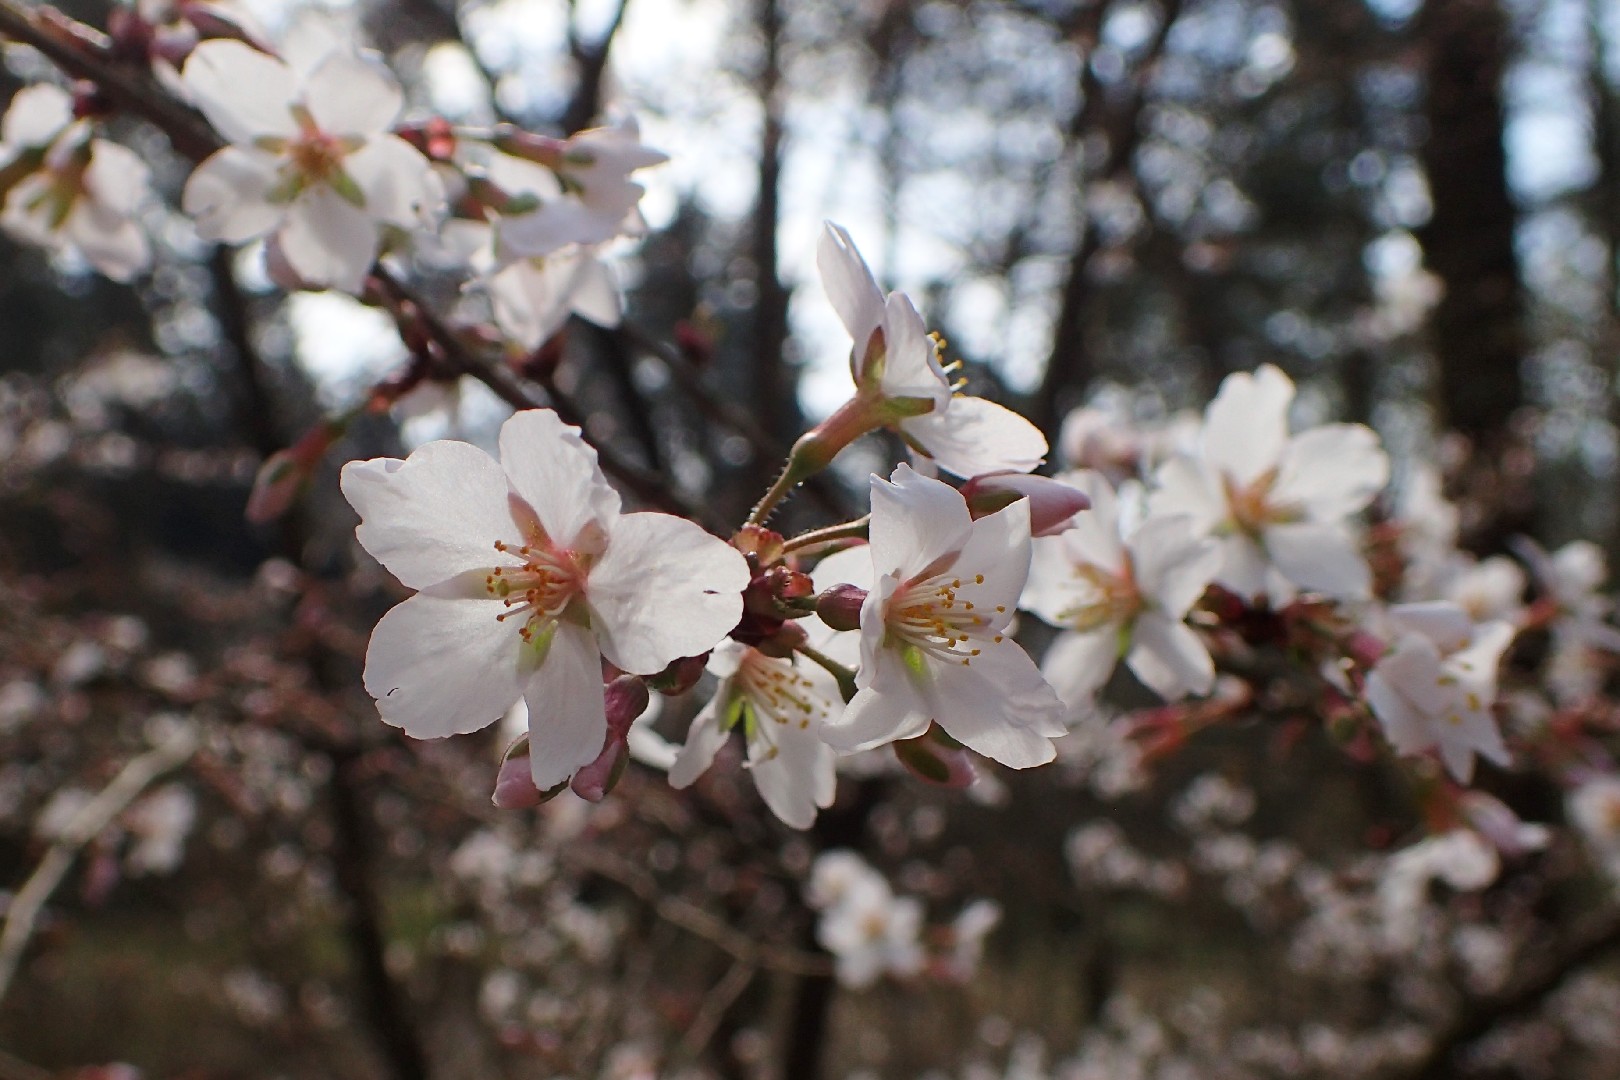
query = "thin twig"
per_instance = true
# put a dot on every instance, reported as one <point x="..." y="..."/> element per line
<point x="712" y="1012"/>
<point x="84" y="827"/>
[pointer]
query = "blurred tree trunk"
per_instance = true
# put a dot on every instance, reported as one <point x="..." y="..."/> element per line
<point x="775" y="405"/>
<point x="1468" y="242"/>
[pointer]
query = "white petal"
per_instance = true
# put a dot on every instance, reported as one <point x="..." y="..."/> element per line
<point x="1078" y="665"/>
<point x="998" y="547"/>
<point x="1413" y="671"/>
<point x="328" y="240"/>
<point x="1323" y="558"/>
<point x="852" y="566"/>
<point x="973" y="436"/>
<point x="35" y="116"/>
<point x="1332" y="471"/>
<point x="567" y="718"/>
<point x="243" y="93"/>
<point x="399" y="184"/>
<point x="441" y="665"/>
<point x="889" y="708"/>
<point x="850" y="285"/>
<point x="795" y="776"/>
<point x="1246" y="426"/>
<point x="432" y="516"/>
<point x="1169" y="658"/>
<point x="1446" y="625"/>
<point x="703" y="741"/>
<point x="1405" y="727"/>
<point x="227" y="195"/>
<point x="664" y="589"/>
<point x="1244" y="568"/>
<point x="1185" y="485"/>
<point x="111" y="243"/>
<point x="1173" y="566"/>
<point x="554" y="470"/>
<point x="354" y="95"/>
<point x="999" y="706"/>
<point x="116" y="178"/>
<point x="910" y="367"/>
<point x="915" y="521"/>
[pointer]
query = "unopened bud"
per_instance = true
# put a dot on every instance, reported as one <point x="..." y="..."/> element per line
<point x="625" y="699"/>
<point x="1052" y="505"/>
<point x="840" y="606"/>
<point x="514" y="782"/>
<point x="937" y="758"/>
<point x="784" y="642"/>
<point x="283" y="475"/>
<point x="527" y="145"/>
<point x="680" y="676"/>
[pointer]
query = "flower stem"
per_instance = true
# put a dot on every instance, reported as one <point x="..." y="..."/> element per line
<point x="845" y="677"/>
<point x="815" y="450"/>
<point x="849" y="530"/>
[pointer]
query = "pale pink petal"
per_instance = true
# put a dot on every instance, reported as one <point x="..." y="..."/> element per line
<point x="1322" y="558"/>
<point x="354" y="95"/>
<point x="109" y="242"/>
<point x="434" y="515"/>
<point x="703" y="741"/>
<point x="850" y="286"/>
<point x="228" y="196"/>
<point x="554" y="470"/>
<point x="852" y="566"/>
<point x="1173" y="566"/>
<point x="1078" y="665"/>
<point x="1169" y="657"/>
<point x="441" y="665"/>
<point x="35" y="116"/>
<point x="1332" y="471"/>
<point x="1095" y="539"/>
<point x="399" y="184"/>
<point x="973" y="436"/>
<point x="1413" y="671"/>
<point x="567" y="717"/>
<point x="915" y="521"/>
<point x="1244" y="569"/>
<point x="328" y="241"/>
<point x="1403" y="724"/>
<point x="999" y="706"/>
<point x="117" y="177"/>
<point x="664" y="589"/>
<point x="1246" y="426"/>
<point x="243" y="93"/>
<point x="594" y="293"/>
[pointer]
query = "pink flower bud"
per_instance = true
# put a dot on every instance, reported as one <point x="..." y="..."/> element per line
<point x="1052" y="505"/>
<point x="283" y="475"/>
<point x="626" y="699"/>
<point x="680" y="676"/>
<point x="840" y="607"/>
<point x="937" y="758"/>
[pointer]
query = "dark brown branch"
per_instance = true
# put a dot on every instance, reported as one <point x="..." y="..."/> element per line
<point x="591" y="59"/>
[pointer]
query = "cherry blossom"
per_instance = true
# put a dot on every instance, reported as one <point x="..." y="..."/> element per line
<point x="312" y="161"/>
<point x="780" y="706"/>
<point x="65" y="189"/>
<point x="897" y="372"/>
<point x="1122" y="586"/>
<point x="870" y="931"/>
<point x="527" y="576"/>
<point x="1277" y="502"/>
<point x="933" y="629"/>
<point x="1435" y="689"/>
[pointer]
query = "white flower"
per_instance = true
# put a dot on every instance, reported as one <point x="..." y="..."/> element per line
<point x="1119" y="595"/>
<point x="65" y="189"/>
<point x="1436" y="687"/>
<point x="1594" y="810"/>
<point x="968" y="932"/>
<point x="533" y="298"/>
<point x="933" y="646"/>
<point x="780" y="706"/>
<point x="1276" y="501"/>
<point x="585" y="192"/>
<point x="528" y="575"/>
<point x="869" y="930"/>
<point x="312" y="160"/>
<point x="1580" y="630"/>
<point x="895" y="364"/>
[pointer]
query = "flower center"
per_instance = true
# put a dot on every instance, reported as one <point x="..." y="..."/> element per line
<point x="1112" y="599"/>
<point x="937" y="616"/>
<point x="1252" y="506"/>
<point x="780" y="694"/>
<point x="540" y="587"/>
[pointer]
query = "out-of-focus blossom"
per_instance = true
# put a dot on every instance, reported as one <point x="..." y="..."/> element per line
<point x="870" y="931"/>
<point x="1119" y="585"/>
<point x="63" y="188"/>
<point x="1278" y="502"/>
<point x="1594" y="810"/>
<point x="1435" y="689"/>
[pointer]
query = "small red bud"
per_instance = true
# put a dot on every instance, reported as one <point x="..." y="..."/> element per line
<point x="680" y="676"/>
<point x="840" y="607"/>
